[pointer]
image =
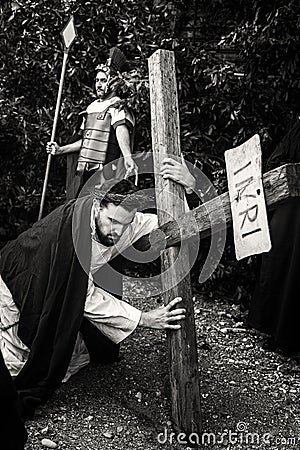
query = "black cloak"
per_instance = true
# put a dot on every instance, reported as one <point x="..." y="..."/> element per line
<point x="48" y="281"/>
<point x="274" y="309"/>
<point x="12" y="430"/>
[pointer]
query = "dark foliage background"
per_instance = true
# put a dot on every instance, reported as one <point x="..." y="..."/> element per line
<point x="238" y="74"/>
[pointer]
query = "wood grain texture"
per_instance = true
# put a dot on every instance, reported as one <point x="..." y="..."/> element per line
<point x="183" y="363"/>
<point x="279" y="185"/>
<point x="248" y="207"/>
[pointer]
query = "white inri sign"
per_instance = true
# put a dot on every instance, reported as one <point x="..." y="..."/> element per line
<point x="248" y="208"/>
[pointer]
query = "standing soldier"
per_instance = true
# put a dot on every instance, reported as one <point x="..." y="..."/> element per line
<point x="106" y="133"/>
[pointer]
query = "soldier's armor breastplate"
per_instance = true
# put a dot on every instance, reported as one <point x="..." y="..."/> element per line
<point x="99" y="143"/>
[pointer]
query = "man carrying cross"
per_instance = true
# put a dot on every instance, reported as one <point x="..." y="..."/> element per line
<point x="51" y="288"/>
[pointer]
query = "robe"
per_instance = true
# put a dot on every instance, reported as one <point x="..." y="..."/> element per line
<point x="46" y="270"/>
<point x="12" y="431"/>
<point x="274" y="308"/>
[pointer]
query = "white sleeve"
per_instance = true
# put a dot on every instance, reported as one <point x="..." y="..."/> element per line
<point x="122" y="116"/>
<point x="115" y="318"/>
<point x="143" y="224"/>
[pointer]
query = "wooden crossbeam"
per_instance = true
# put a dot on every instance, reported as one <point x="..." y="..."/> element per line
<point x="279" y="184"/>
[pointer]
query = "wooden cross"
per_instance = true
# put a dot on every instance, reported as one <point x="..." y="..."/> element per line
<point x="279" y="184"/>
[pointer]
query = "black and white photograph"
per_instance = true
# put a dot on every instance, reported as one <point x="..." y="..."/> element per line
<point x="149" y="224"/>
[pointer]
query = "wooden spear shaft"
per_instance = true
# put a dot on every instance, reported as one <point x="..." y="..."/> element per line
<point x="56" y="115"/>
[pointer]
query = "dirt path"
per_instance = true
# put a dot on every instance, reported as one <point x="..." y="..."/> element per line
<point x="250" y="397"/>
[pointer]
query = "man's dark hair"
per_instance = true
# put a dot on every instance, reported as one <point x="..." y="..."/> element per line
<point x="119" y="192"/>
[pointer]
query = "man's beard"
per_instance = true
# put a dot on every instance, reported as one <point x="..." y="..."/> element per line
<point x="101" y="94"/>
<point x="105" y="239"/>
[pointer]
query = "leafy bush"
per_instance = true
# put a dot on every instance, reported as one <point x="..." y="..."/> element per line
<point x="237" y="69"/>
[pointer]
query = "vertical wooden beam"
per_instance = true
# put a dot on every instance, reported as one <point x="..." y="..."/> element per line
<point x="183" y="363"/>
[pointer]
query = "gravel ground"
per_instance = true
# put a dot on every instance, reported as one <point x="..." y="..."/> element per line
<point x="250" y="397"/>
